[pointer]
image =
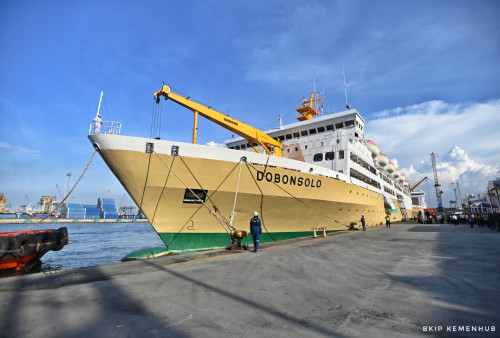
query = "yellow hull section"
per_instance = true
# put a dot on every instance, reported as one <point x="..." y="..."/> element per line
<point x="287" y="200"/>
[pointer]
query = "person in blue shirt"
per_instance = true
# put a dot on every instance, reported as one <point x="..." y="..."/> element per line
<point x="255" y="230"/>
<point x="363" y="222"/>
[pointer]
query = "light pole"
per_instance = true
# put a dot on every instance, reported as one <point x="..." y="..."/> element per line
<point x="496" y="190"/>
<point x="459" y="195"/>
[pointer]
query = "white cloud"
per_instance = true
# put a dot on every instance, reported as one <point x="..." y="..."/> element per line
<point x="464" y="138"/>
<point x="17" y="149"/>
<point x="215" y="144"/>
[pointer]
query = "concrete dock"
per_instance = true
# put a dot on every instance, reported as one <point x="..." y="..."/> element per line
<point x="378" y="283"/>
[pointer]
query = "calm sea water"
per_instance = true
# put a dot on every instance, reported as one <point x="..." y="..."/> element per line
<point x="94" y="243"/>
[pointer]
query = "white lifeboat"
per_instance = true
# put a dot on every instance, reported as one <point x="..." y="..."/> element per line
<point x="396" y="173"/>
<point x="405" y="183"/>
<point x="390" y="167"/>
<point x="373" y="148"/>
<point x="382" y="160"/>
<point x="401" y="178"/>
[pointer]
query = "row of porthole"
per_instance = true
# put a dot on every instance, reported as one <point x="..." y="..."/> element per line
<point x="372" y="196"/>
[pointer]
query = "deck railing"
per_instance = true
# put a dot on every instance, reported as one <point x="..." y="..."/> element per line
<point x="108" y="127"/>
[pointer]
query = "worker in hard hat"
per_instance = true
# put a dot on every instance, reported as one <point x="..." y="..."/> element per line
<point x="255" y="230"/>
<point x="97" y="124"/>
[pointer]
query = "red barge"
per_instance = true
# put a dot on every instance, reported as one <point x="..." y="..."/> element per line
<point x="20" y="249"/>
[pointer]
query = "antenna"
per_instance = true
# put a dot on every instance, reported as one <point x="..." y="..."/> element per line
<point x="99" y="106"/>
<point x="345" y="88"/>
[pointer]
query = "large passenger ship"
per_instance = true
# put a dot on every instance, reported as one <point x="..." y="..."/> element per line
<point x="319" y="173"/>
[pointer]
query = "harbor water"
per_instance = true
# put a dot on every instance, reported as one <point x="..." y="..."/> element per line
<point x="94" y="243"/>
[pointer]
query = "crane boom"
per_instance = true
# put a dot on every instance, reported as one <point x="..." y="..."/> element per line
<point x="416" y="185"/>
<point x="253" y="135"/>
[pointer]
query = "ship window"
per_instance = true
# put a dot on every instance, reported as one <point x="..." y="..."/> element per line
<point x="303" y="133"/>
<point x="237" y="147"/>
<point x="194" y="196"/>
<point x="349" y="123"/>
<point x="341" y="155"/>
<point x="288" y="150"/>
<point x="296" y="134"/>
<point x="339" y="125"/>
<point x="288" y="136"/>
<point x="330" y="155"/>
<point x="312" y="131"/>
<point x="329" y="127"/>
<point x="318" y="157"/>
<point x="281" y="137"/>
<point x="275" y="138"/>
<point x="321" y="129"/>
<point x="296" y="149"/>
<point x="306" y="146"/>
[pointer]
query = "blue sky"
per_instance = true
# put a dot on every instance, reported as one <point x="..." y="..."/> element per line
<point x="426" y="78"/>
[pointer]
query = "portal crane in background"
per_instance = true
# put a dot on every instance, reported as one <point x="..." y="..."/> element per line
<point x="67" y="184"/>
<point x="437" y="185"/>
<point x="416" y="185"/>
<point x="253" y="135"/>
<point x="58" y="193"/>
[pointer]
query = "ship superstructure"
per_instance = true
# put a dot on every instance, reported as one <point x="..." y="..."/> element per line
<point x="318" y="173"/>
<point x="337" y="142"/>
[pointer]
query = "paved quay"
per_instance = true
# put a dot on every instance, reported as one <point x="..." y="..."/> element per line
<point x="378" y="283"/>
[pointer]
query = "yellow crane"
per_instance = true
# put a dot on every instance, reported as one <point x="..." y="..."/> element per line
<point x="253" y="135"/>
<point x="416" y="185"/>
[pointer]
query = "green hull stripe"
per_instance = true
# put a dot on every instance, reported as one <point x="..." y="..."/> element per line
<point x="181" y="242"/>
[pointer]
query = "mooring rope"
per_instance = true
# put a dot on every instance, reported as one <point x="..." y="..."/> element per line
<point x="213" y="211"/>
<point x="201" y="206"/>
<point x="261" y="201"/>
<point x="164" y="186"/>
<point x="299" y="200"/>
<point x="69" y="193"/>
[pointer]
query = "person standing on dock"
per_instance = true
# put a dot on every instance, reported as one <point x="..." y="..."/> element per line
<point x="363" y="222"/>
<point x="255" y="230"/>
<point x="97" y="124"/>
<point x="387" y="221"/>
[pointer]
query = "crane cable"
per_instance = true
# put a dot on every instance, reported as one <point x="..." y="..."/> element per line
<point x="69" y="193"/>
<point x="231" y="216"/>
